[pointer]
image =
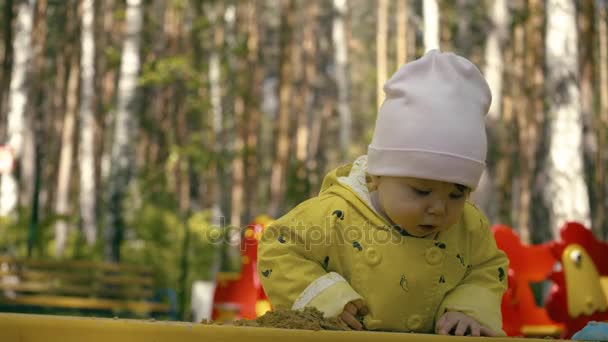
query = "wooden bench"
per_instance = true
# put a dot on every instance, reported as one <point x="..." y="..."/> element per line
<point x="83" y="286"/>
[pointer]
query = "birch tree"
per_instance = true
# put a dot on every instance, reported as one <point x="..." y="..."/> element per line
<point x="121" y="156"/>
<point x="566" y="193"/>
<point x="215" y="16"/>
<point x="431" y="24"/>
<point x="87" y="124"/>
<point x="485" y="195"/>
<point x="381" y="50"/>
<point x="341" y="56"/>
<point x="18" y="94"/>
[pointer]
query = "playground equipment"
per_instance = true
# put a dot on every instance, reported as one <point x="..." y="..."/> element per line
<point x="240" y="295"/>
<point x="577" y="266"/>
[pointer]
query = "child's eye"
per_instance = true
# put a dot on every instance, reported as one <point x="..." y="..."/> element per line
<point x="421" y="192"/>
<point x="457" y="196"/>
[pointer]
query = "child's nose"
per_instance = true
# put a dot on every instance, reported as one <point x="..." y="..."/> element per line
<point x="437" y="207"/>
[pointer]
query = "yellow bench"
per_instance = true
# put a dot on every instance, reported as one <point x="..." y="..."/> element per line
<point x="117" y="289"/>
<point x="41" y="328"/>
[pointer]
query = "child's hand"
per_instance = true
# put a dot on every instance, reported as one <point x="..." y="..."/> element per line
<point x="457" y="323"/>
<point x="352" y="312"/>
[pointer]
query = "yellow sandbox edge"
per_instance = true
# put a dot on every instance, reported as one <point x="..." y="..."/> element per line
<point x="43" y="328"/>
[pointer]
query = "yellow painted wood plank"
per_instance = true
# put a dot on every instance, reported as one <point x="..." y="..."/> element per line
<point x="40" y="328"/>
<point x="82" y="264"/>
<point x="87" y="303"/>
<point x="53" y="287"/>
<point x="75" y="277"/>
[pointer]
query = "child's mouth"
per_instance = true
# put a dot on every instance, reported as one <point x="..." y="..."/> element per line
<point x="427" y="226"/>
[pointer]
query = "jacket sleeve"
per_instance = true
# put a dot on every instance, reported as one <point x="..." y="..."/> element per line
<point x="293" y="258"/>
<point x="479" y="294"/>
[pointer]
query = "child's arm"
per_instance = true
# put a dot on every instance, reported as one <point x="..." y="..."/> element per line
<point x="296" y="253"/>
<point x="480" y="293"/>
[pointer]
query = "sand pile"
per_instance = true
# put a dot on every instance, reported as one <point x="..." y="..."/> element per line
<point x="307" y="319"/>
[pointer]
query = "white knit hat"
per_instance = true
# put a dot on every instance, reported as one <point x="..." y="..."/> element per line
<point x="431" y="124"/>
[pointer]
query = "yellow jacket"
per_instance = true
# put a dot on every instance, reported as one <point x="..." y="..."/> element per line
<point x="335" y="248"/>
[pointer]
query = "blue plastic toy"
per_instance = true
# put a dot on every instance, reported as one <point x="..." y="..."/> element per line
<point x="593" y="331"/>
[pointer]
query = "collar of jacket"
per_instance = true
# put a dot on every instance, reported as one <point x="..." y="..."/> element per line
<point x="350" y="182"/>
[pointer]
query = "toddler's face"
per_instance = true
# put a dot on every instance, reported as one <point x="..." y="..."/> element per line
<point x="420" y="206"/>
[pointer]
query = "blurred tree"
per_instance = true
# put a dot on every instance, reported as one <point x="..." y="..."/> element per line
<point x="7" y="57"/>
<point x="279" y="165"/>
<point x="381" y="50"/>
<point x="403" y="32"/>
<point x="342" y="82"/>
<point x="64" y="173"/>
<point x="600" y="223"/>
<point x="485" y="195"/>
<point x="124" y="130"/>
<point x="566" y="194"/>
<point x="431" y="24"/>
<point x="18" y="97"/>
<point x="86" y="116"/>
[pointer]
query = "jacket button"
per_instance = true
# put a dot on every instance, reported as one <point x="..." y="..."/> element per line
<point x="414" y="322"/>
<point x="433" y="255"/>
<point x="372" y="256"/>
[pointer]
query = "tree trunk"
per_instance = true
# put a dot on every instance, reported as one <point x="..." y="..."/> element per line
<point x="317" y="115"/>
<point x="601" y="222"/>
<point x="107" y="90"/>
<point x="566" y="194"/>
<point x="66" y="156"/>
<point x="527" y="40"/>
<point x="255" y="94"/>
<point x="303" y="59"/>
<point x="463" y="37"/>
<point x="87" y="125"/>
<point x="520" y="106"/>
<point x="381" y="37"/>
<point x="215" y="92"/>
<point x="342" y="83"/>
<point x="18" y="94"/>
<point x="279" y="165"/>
<point x="485" y="195"/>
<point x="240" y="126"/>
<point x="124" y="131"/>
<point x="35" y="131"/>
<point x="590" y="123"/>
<point x="535" y="114"/>
<point x="431" y="24"/>
<point x="403" y="19"/>
<point x="7" y="60"/>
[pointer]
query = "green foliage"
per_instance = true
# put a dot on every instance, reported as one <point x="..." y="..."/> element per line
<point x="170" y="70"/>
<point x="157" y="231"/>
<point x="15" y="234"/>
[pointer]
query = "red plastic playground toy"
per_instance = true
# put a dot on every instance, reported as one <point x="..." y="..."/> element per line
<point x="240" y="295"/>
<point x="578" y="267"/>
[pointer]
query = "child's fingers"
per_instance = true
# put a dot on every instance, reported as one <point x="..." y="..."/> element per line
<point x="444" y="325"/>
<point x="362" y="308"/>
<point x="351" y="308"/>
<point x="351" y="321"/>
<point x="475" y="329"/>
<point x="487" y="332"/>
<point x="462" y="327"/>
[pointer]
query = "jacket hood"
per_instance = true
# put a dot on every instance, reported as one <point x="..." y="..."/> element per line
<point x="351" y="183"/>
